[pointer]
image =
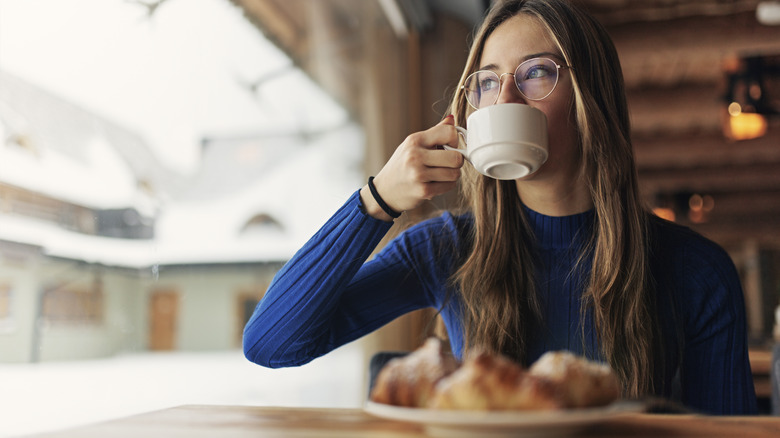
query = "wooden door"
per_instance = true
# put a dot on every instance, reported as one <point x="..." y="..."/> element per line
<point x="163" y="316"/>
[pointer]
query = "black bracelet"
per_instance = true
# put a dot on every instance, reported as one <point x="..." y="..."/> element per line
<point x="390" y="212"/>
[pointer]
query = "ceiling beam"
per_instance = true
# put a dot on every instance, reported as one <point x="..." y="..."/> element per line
<point x="281" y="25"/>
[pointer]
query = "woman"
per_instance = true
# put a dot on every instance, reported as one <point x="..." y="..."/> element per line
<point x="566" y="258"/>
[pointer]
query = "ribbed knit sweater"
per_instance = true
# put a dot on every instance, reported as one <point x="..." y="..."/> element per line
<point x="328" y="294"/>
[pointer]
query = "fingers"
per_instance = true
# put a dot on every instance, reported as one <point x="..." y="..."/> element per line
<point x="425" y="182"/>
<point x="443" y="158"/>
<point x="427" y="145"/>
<point x="438" y="174"/>
<point x="425" y="164"/>
<point x="442" y="133"/>
<point x="451" y="137"/>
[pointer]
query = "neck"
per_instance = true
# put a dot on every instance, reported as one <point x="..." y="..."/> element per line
<point x="555" y="198"/>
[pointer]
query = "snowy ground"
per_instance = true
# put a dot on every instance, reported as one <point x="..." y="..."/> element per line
<point x="50" y="396"/>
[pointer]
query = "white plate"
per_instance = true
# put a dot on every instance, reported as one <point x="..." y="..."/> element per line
<point x="452" y="423"/>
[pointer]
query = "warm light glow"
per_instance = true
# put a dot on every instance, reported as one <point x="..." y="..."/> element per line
<point x="708" y="203"/>
<point x="699" y="208"/>
<point x="696" y="202"/>
<point x="697" y="217"/>
<point x="745" y="126"/>
<point x="755" y="91"/>
<point x="664" y="213"/>
<point x="735" y="109"/>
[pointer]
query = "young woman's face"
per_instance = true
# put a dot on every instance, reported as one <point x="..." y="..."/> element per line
<point x="518" y="39"/>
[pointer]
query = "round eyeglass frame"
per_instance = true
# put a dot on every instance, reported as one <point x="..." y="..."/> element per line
<point x="558" y="67"/>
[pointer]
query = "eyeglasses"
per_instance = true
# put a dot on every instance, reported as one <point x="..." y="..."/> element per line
<point x="535" y="78"/>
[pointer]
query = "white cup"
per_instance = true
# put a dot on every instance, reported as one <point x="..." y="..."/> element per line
<point x="505" y="141"/>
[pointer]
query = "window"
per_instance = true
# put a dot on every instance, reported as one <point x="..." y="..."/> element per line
<point x="262" y="221"/>
<point x="73" y="304"/>
<point x="247" y="301"/>
<point x="6" y="306"/>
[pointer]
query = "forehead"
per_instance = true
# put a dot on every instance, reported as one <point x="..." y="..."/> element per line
<point x="518" y="38"/>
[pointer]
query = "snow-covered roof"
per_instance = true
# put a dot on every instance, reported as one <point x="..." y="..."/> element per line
<point x="55" y="148"/>
<point x="298" y="179"/>
<point x="300" y="191"/>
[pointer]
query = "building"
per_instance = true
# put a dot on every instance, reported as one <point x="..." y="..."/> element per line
<point x="104" y="250"/>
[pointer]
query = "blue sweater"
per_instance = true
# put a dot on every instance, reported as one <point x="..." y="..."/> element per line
<point x="328" y="295"/>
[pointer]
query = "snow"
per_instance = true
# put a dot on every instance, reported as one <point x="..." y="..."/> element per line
<point x="51" y="396"/>
<point x="104" y="180"/>
<point x="300" y="192"/>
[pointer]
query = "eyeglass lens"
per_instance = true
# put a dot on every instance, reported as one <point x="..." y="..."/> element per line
<point x="535" y="78"/>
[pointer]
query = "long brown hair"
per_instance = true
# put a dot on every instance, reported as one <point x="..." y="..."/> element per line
<point x="496" y="279"/>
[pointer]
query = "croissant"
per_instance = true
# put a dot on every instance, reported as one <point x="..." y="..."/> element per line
<point x="410" y="381"/>
<point x="583" y="383"/>
<point x="491" y="382"/>
<point x="431" y="378"/>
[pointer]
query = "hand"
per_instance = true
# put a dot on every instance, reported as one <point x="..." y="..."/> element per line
<point x="417" y="171"/>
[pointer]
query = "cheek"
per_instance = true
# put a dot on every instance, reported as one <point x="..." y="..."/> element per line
<point x="561" y="130"/>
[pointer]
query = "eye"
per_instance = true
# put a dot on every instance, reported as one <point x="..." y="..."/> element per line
<point x="537" y="71"/>
<point x="487" y="84"/>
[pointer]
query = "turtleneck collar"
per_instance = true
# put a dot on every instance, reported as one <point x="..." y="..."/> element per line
<point x="560" y="231"/>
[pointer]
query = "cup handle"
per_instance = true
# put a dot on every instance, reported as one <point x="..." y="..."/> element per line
<point x="462" y="133"/>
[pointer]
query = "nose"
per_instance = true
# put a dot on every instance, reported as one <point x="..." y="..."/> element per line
<point x="508" y="91"/>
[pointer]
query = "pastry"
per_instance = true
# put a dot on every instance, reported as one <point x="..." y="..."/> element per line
<point x="431" y="378"/>
<point x="409" y="381"/>
<point x="492" y="382"/>
<point x="583" y="383"/>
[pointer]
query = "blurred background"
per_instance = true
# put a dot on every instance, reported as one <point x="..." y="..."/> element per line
<point x="161" y="159"/>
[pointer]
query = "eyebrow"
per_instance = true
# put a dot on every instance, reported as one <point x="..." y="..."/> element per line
<point x="525" y="58"/>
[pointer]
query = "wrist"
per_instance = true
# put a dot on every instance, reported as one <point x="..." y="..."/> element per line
<point x="371" y="207"/>
<point x="379" y="200"/>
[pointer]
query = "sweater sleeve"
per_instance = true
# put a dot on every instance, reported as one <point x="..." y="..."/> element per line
<point x="327" y="296"/>
<point x="715" y="375"/>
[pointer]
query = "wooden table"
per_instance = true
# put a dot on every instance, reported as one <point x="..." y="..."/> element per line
<point x="274" y="422"/>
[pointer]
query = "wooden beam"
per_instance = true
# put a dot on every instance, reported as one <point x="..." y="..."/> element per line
<point x="706" y="149"/>
<point x="335" y="52"/>
<point x="734" y="234"/>
<point x="679" y="109"/>
<point x="443" y="54"/>
<point x="689" y="49"/>
<point x="614" y="12"/>
<point x="759" y="205"/>
<point x="712" y="179"/>
<point x="282" y="25"/>
<point x="729" y="208"/>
